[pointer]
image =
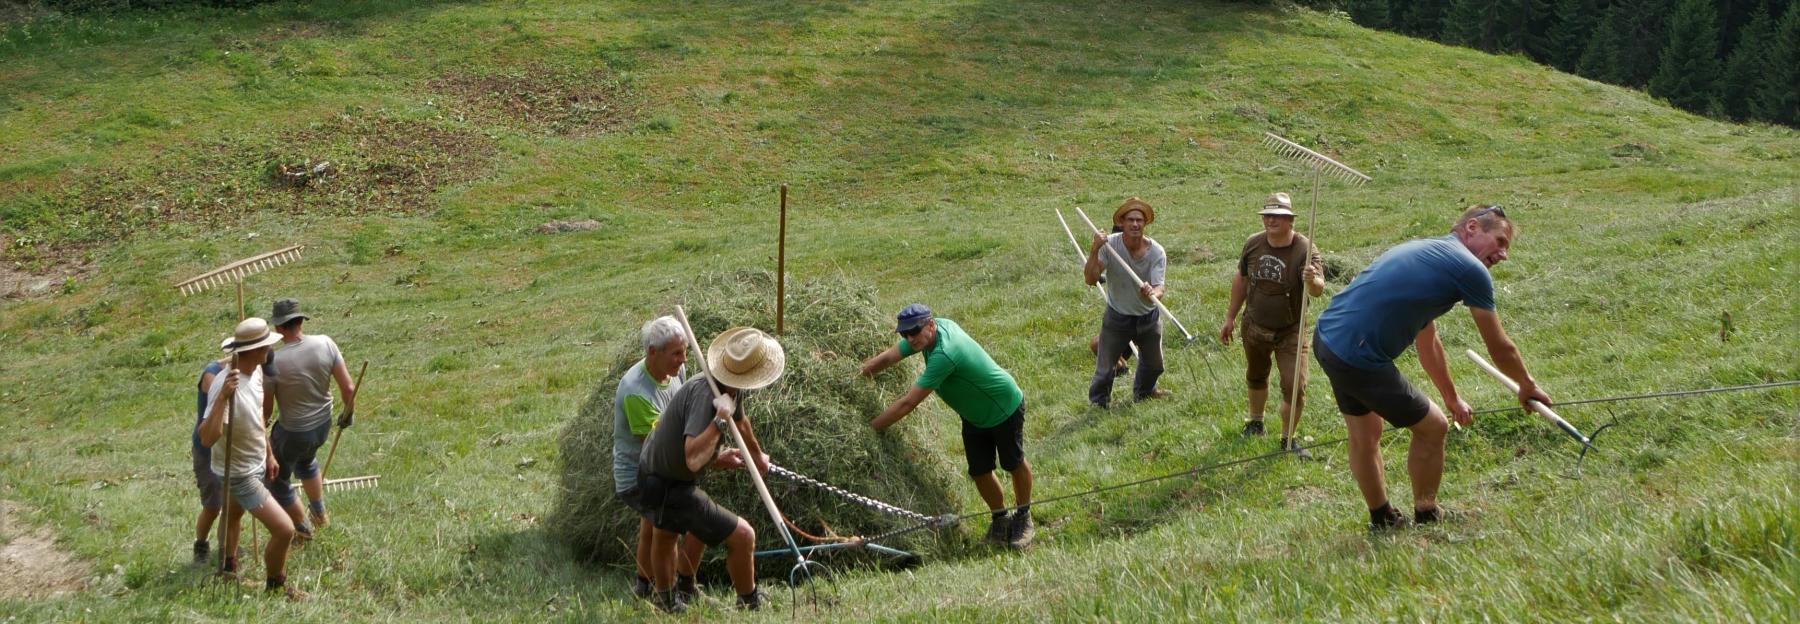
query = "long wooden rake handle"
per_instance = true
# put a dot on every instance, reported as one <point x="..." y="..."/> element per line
<point x="1081" y="258"/>
<point x="340" y="432"/>
<point x="1540" y="408"/>
<point x="1134" y="276"/>
<point x="738" y="439"/>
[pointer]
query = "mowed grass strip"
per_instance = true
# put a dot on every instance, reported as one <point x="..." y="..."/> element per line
<point x="926" y="144"/>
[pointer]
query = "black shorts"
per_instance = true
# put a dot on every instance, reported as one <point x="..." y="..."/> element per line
<point x="1383" y="391"/>
<point x="682" y="507"/>
<point x="1007" y="440"/>
<point x="632" y="498"/>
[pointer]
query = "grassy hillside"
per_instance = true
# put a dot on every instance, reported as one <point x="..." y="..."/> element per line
<point x="925" y="144"/>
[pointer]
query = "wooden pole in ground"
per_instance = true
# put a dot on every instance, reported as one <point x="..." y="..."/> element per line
<point x="781" y="265"/>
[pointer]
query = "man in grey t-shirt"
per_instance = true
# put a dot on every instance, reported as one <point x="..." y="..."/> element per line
<point x="301" y="388"/>
<point x="643" y="394"/>
<point x="1131" y="314"/>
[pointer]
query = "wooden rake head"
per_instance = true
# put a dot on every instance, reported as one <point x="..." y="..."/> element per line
<point x="236" y="272"/>
<point x="352" y="483"/>
<point x="1319" y="162"/>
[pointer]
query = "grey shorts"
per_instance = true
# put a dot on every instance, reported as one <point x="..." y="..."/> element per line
<point x="205" y="480"/>
<point x="249" y="491"/>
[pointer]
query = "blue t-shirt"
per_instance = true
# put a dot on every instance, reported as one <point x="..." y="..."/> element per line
<point x="212" y="368"/>
<point x="1373" y="320"/>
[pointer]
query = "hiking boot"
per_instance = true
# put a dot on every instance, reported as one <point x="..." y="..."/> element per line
<point x="1019" y="535"/>
<point x="1293" y="446"/>
<point x="687" y="588"/>
<point x="752" y="601"/>
<point x="1393" y="520"/>
<point x="303" y="533"/>
<point x="668" y="601"/>
<point x="641" y="588"/>
<point x="1159" y="393"/>
<point x="202" y="551"/>
<point x="999" y="530"/>
<point x="1253" y="428"/>
<point x="278" y="585"/>
<point x="1429" y="516"/>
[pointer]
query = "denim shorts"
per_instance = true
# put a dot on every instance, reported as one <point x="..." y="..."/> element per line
<point x="249" y="491"/>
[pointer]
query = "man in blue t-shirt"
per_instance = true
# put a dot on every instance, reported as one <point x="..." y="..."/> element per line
<point x="1393" y="304"/>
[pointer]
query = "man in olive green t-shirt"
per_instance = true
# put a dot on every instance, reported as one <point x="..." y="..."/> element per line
<point x="990" y="403"/>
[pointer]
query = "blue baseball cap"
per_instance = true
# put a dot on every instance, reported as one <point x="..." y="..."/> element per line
<point x="911" y="317"/>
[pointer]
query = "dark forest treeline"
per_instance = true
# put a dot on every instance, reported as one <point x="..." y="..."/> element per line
<point x="1736" y="59"/>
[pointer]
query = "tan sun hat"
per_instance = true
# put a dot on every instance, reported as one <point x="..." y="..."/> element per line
<point x="745" y="358"/>
<point x="251" y="333"/>
<point x="1277" y="204"/>
<point x="1134" y="204"/>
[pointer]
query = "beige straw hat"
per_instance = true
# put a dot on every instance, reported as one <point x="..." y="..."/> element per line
<point x="745" y="358"/>
<point x="1277" y="204"/>
<point x="251" y="333"/>
<point x="1134" y="204"/>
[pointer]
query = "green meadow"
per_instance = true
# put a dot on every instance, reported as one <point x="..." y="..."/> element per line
<point x="925" y="145"/>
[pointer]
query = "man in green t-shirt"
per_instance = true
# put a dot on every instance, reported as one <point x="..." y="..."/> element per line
<point x="990" y="403"/>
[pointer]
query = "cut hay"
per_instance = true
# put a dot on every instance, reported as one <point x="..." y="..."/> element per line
<point x="814" y="421"/>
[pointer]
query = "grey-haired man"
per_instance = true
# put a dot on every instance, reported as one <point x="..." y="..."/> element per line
<point x="644" y="392"/>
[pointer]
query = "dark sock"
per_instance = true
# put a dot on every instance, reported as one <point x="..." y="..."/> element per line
<point x="231" y="564"/>
<point x="1024" y="511"/>
<point x="1426" y="516"/>
<point x="201" y="546"/>
<point x="1379" y="515"/>
<point x="275" y="582"/>
<point x="999" y="516"/>
<point x="686" y="583"/>
<point x="318" y="506"/>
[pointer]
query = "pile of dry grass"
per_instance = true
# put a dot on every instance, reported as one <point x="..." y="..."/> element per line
<point x="814" y="420"/>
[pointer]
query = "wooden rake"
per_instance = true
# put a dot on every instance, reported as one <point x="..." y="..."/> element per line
<point x="1322" y="167"/>
<point x="235" y="273"/>
<point x="347" y="483"/>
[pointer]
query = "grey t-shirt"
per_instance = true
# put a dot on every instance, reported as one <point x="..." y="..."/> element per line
<point x="302" y="384"/>
<point x="1122" y="293"/>
<point x="689" y="413"/>
<point x="637" y="405"/>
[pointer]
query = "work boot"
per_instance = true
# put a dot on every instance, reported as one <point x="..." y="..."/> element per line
<point x="999" y="530"/>
<point x="1253" y="428"/>
<point x="1159" y="393"/>
<point x="202" y="550"/>
<point x="667" y="601"/>
<point x="752" y="601"/>
<point x="1019" y="535"/>
<point x="278" y="585"/>
<point x="303" y="533"/>
<point x="1294" y="447"/>
<point x="1429" y="516"/>
<point x="641" y="588"/>
<point x="1387" y="519"/>
<point x="687" y="588"/>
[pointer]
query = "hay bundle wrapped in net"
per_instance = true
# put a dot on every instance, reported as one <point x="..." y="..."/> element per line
<point x="814" y="420"/>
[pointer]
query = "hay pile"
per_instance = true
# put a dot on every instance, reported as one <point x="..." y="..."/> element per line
<point x="814" y="420"/>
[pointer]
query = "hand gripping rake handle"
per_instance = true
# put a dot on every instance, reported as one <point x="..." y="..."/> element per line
<point x="1081" y="258"/>
<point x="738" y="439"/>
<point x="340" y="432"/>
<point x="1540" y="408"/>
<point x="1134" y="276"/>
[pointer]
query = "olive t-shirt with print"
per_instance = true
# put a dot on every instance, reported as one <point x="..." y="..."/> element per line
<point x="1272" y="296"/>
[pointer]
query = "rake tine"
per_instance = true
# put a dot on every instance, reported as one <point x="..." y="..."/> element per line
<point x="1319" y="161"/>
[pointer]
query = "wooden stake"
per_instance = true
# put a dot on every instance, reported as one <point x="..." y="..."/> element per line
<point x="781" y="266"/>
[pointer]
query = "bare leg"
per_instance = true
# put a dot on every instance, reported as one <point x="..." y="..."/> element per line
<point x="204" y="524"/>
<point x="296" y="515"/>
<point x="646" y="539"/>
<point x="989" y="487"/>
<point x="740" y="557"/>
<point x="1021" y="478"/>
<point x="662" y="560"/>
<point x="1365" y="457"/>
<point x="234" y="525"/>
<point x="1425" y="459"/>
<point x="281" y="534"/>
<point x="691" y="550"/>
<point x="1259" y="399"/>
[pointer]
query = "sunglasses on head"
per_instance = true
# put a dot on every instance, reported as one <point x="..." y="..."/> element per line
<point x="1496" y="209"/>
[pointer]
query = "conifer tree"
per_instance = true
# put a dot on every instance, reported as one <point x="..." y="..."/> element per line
<point x="1645" y="35"/>
<point x="1600" y="61"/>
<point x="1744" y="67"/>
<point x="1574" y="23"/>
<point x="1471" y="23"/>
<point x="1689" y="72"/>
<point x="1422" y="18"/>
<point x="1370" y="13"/>
<point x="1778" y="96"/>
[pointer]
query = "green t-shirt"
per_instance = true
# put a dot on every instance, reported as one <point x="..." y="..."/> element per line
<point x="968" y="380"/>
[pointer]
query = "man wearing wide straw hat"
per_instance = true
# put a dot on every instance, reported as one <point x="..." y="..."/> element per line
<point x="686" y="442"/>
<point x="1131" y="316"/>
<point x="301" y="387"/>
<point x="980" y="392"/>
<point x="1268" y="280"/>
<point x="235" y="402"/>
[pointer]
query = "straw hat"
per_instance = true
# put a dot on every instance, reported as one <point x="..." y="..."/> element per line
<point x="745" y="358"/>
<point x="1277" y="204"/>
<point x="251" y="333"/>
<point x="1134" y="204"/>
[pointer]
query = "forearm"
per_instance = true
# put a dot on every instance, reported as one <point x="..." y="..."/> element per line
<point x="1507" y="358"/>
<point x="698" y="450"/>
<point x="1091" y="269"/>
<point x="894" y="412"/>
<point x="753" y="445"/>
<point x="881" y="361"/>
<point x="1436" y="365"/>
